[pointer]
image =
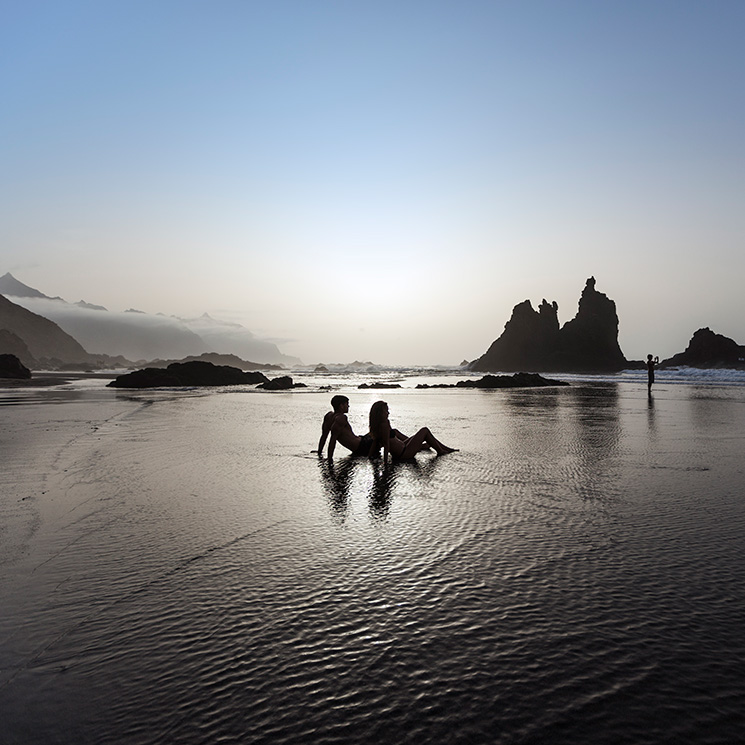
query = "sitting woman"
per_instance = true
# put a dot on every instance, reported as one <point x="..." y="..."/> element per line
<point x="400" y="447"/>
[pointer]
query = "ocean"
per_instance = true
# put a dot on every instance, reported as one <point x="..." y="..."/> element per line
<point x="177" y="566"/>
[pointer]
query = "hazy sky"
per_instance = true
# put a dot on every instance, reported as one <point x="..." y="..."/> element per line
<point x="379" y="180"/>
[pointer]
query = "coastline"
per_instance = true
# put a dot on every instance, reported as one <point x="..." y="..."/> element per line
<point x="46" y="379"/>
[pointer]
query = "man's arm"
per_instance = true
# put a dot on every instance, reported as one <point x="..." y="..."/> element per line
<point x="338" y="424"/>
<point x="325" y="429"/>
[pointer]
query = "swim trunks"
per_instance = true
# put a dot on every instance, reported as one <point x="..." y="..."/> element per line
<point x="365" y="445"/>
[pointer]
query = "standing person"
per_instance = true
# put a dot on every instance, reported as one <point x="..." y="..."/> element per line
<point x="400" y="449"/>
<point x="650" y="371"/>
<point x="336" y="424"/>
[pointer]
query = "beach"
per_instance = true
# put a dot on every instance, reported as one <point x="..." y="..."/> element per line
<point x="177" y="566"/>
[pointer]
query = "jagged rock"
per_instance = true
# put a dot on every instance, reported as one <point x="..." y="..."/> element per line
<point x="532" y="340"/>
<point x="283" y="383"/>
<point x="518" y="380"/>
<point x="179" y="374"/>
<point x="707" y="349"/>
<point x="589" y="342"/>
<point x="12" y="367"/>
<point x="379" y="385"/>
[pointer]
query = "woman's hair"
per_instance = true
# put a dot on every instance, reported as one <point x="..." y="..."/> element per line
<point x="378" y="419"/>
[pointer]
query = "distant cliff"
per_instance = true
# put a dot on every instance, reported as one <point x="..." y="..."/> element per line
<point x="532" y="341"/>
<point x="43" y="338"/>
<point x="11" y="343"/>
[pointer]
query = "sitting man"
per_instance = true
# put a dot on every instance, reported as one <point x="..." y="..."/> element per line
<point x="336" y="424"/>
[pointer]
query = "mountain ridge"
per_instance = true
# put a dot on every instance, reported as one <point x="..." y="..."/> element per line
<point x="141" y="336"/>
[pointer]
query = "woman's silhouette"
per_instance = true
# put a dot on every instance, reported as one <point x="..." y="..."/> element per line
<point x="392" y="442"/>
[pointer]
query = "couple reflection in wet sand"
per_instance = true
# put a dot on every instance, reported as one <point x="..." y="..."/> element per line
<point x="340" y="476"/>
<point x="336" y="428"/>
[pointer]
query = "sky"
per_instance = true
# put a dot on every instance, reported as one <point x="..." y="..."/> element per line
<point x="379" y="181"/>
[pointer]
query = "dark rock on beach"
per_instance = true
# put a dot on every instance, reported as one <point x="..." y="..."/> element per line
<point x="518" y="380"/>
<point x="180" y="374"/>
<point x="12" y="367"/>
<point x="378" y="385"/>
<point x="283" y="383"/>
<point x="709" y="350"/>
<point x="532" y="340"/>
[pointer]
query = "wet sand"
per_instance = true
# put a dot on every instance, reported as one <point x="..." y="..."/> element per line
<point x="177" y="566"/>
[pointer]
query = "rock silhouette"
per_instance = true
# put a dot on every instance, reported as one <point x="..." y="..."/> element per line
<point x="707" y="349"/>
<point x="180" y="374"/>
<point x="518" y="380"/>
<point x="533" y="341"/>
<point x="283" y="383"/>
<point x="12" y="367"/>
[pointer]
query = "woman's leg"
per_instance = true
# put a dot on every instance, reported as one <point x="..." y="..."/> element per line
<point x="424" y="437"/>
<point x="398" y="435"/>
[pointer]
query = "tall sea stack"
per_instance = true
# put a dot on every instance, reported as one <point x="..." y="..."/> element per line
<point x="533" y="342"/>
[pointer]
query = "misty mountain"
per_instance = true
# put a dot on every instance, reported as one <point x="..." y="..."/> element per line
<point x="9" y="285"/>
<point x="90" y="306"/>
<point x="225" y="337"/>
<point x="143" y="336"/>
<point x="136" y="336"/>
<point x="42" y="337"/>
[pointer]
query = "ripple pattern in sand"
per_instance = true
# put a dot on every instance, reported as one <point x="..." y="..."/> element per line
<point x="534" y="588"/>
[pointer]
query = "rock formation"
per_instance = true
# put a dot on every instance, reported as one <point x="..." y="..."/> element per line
<point x="707" y="349"/>
<point x="12" y="367"/>
<point x="180" y="374"/>
<point x="283" y="383"/>
<point x="532" y="340"/>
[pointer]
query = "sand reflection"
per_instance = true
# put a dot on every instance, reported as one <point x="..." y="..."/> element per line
<point x="376" y="482"/>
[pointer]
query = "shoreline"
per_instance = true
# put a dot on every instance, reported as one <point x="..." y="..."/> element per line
<point x="52" y="378"/>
